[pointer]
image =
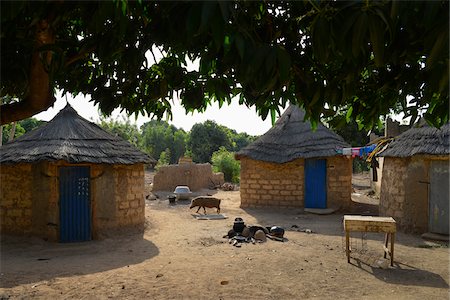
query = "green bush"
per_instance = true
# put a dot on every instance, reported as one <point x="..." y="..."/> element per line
<point x="223" y="161"/>
<point x="164" y="159"/>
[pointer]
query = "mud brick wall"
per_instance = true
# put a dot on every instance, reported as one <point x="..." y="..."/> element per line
<point x="339" y="182"/>
<point x="282" y="185"/>
<point x="129" y="195"/>
<point x="195" y="176"/>
<point x="29" y="199"/>
<point x="270" y="184"/>
<point x="15" y="198"/>
<point x="392" y="195"/>
<point x="404" y="191"/>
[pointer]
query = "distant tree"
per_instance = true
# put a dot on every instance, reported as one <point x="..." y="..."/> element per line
<point x="22" y="127"/>
<point x="223" y="161"/>
<point x="206" y="138"/>
<point x="241" y="140"/>
<point x="157" y="136"/>
<point x="30" y="124"/>
<point x="164" y="159"/>
<point x="14" y="128"/>
<point x="179" y="145"/>
<point x="124" y="129"/>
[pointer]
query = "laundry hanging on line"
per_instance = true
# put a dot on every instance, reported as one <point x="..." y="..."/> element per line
<point x="358" y="151"/>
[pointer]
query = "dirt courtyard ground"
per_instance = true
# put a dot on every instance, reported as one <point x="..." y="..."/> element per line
<point x="179" y="257"/>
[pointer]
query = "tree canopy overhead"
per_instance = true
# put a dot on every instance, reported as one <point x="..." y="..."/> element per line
<point x="362" y="58"/>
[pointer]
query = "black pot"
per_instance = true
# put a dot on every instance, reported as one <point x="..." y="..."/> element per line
<point x="238" y="225"/>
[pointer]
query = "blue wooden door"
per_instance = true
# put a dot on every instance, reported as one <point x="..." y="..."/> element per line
<point x="438" y="221"/>
<point x="74" y="204"/>
<point x="315" y="183"/>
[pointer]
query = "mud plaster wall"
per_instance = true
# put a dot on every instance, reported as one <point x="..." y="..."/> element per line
<point x="404" y="191"/>
<point x="195" y="176"/>
<point x="29" y="199"/>
<point x="282" y="185"/>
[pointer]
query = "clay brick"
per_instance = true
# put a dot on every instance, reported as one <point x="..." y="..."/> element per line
<point x="14" y="212"/>
<point x="285" y="193"/>
<point x="255" y="186"/>
<point x="274" y="192"/>
<point x="124" y="205"/>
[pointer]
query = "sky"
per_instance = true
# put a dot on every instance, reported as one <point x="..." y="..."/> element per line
<point x="234" y="116"/>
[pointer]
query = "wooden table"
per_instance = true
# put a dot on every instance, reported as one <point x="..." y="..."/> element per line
<point x="371" y="224"/>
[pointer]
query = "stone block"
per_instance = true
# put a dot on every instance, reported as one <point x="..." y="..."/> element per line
<point x="274" y="192"/>
<point x="285" y="193"/>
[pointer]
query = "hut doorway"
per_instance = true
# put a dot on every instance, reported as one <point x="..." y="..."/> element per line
<point x="438" y="217"/>
<point x="315" y="183"/>
<point x="74" y="204"/>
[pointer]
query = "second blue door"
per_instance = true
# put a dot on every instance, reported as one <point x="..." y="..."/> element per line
<point x="315" y="183"/>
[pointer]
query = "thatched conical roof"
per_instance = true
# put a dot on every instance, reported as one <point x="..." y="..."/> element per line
<point x="291" y="137"/>
<point x="423" y="140"/>
<point x="71" y="138"/>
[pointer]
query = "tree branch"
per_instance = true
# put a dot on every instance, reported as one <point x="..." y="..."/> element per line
<point x="40" y="95"/>
<point x="79" y="56"/>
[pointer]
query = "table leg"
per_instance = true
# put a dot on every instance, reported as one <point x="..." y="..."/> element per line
<point x="347" y="245"/>
<point x="386" y="241"/>
<point x="392" y="248"/>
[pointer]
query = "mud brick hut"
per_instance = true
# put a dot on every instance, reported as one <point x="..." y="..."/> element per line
<point x="415" y="180"/>
<point x="293" y="166"/>
<point x="69" y="181"/>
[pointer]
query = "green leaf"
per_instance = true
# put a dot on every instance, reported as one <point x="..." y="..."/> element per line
<point x="348" y="115"/>
<point x="439" y="45"/>
<point x="376" y="30"/>
<point x="273" y="115"/>
<point x="359" y="34"/>
<point x="284" y="64"/>
<point x="321" y="38"/>
<point x="240" y="45"/>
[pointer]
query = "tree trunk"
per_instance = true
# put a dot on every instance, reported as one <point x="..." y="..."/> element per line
<point x="12" y="133"/>
<point x="40" y="96"/>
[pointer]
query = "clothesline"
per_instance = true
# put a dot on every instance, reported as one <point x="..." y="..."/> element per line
<point x="367" y="152"/>
<point x="357" y="151"/>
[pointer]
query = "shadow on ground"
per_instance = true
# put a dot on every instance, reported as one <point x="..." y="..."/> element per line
<point x="403" y="274"/>
<point x="21" y="259"/>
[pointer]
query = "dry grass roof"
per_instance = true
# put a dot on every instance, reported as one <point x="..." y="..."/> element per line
<point x="71" y="138"/>
<point x="291" y="138"/>
<point x="423" y="140"/>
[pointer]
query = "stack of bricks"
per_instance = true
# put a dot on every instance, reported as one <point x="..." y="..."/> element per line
<point x="271" y="184"/>
<point x="129" y="195"/>
<point x="16" y="199"/>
